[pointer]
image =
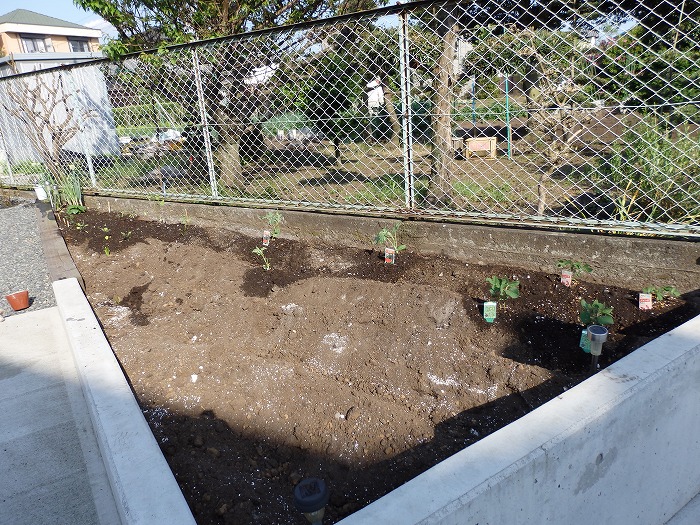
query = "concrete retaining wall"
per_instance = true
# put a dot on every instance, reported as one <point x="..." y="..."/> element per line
<point x="622" y="447"/>
<point x="632" y="262"/>
<point x="144" y="488"/>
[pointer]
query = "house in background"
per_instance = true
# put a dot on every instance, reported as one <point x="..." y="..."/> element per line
<point x="30" y="41"/>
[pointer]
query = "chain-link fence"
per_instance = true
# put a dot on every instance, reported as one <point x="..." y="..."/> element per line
<point x="582" y="114"/>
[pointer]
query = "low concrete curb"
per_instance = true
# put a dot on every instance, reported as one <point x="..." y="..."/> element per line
<point x="144" y="488"/>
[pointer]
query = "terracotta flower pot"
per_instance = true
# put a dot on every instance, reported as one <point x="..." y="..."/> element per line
<point x="18" y="300"/>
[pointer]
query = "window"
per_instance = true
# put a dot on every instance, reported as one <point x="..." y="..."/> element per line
<point x="79" y="45"/>
<point x="36" y="44"/>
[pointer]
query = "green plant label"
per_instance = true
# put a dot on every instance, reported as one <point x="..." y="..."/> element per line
<point x="389" y="255"/>
<point x="490" y="311"/>
<point x="585" y="343"/>
<point x="645" y="301"/>
<point x="566" y="276"/>
<point x="266" y="238"/>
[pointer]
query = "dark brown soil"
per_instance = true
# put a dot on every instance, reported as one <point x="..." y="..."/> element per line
<point x="331" y="364"/>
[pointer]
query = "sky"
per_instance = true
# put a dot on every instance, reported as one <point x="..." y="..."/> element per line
<point x="63" y="9"/>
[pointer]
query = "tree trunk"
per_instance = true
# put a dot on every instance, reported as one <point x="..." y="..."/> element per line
<point x="443" y="157"/>
<point x="393" y="119"/>
<point x="228" y="158"/>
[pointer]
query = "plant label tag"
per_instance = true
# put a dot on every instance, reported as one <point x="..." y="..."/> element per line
<point x="489" y="311"/>
<point x="566" y="276"/>
<point x="266" y="238"/>
<point x="389" y="255"/>
<point x="585" y="343"/>
<point x="645" y="301"/>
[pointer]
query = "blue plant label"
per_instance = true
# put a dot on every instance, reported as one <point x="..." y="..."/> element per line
<point x="585" y="343"/>
<point x="489" y="311"/>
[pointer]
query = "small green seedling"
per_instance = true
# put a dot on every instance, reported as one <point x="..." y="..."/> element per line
<point x="126" y="236"/>
<point x="389" y="238"/>
<point x="577" y="268"/>
<point x="80" y="225"/>
<point x="503" y="288"/>
<point x="105" y="229"/>
<point x="107" y="250"/>
<point x="661" y="293"/>
<point x="273" y="219"/>
<point x="185" y="222"/>
<point x="261" y="253"/>
<point x="595" y="313"/>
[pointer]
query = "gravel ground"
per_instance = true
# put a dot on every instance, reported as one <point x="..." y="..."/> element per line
<point x="22" y="264"/>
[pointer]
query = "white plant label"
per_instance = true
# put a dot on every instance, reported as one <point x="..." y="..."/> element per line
<point x="490" y="311"/>
<point x="266" y="238"/>
<point x="566" y="276"/>
<point x="645" y="301"/>
<point x="389" y="255"/>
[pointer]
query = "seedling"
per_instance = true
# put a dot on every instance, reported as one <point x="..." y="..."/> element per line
<point x="80" y="225"/>
<point x="105" y="229"/>
<point x="389" y="238"/>
<point x="185" y="221"/>
<point x="261" y="253"/>
<point x="106" y="250"/>
<point x="572" y="270"/>
<point x="503" y="288"/>
<point x="595" y="313"/>
<point x="126" y="235"/>
<point x="273" y="219"/>
<point x="661" y="293"/>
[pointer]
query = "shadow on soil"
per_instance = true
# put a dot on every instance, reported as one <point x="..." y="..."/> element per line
<point x="235" y="475"/>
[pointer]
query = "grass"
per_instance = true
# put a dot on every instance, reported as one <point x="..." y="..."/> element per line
<point x="472" y="191"/>
<point x="29" y="167"/>
<point x="387" y="189"/>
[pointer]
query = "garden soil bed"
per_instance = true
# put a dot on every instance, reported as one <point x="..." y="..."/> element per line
<point x="332" y="363"/>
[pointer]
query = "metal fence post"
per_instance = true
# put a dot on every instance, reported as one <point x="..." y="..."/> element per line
<point x="407" y="116"/>
<point x="205" y="125"/>
<point x="3" y="144"/>
<point x="77" y="106"/>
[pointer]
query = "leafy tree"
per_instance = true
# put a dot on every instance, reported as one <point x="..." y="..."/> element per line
<point x="521" y="17"/>
<point x="235" y="105"/>
<point x="655" y="64"/>
<point x="144" y="24"/>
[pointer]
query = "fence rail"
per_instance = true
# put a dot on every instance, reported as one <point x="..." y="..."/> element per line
<point x="586" y="117"/>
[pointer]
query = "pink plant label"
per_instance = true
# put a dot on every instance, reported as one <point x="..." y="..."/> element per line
<point x="266" y="238"/>
<point x="389" y="255"/>
<point x="489" y="311"/>
<point x="645" y="301"/>
<point x="566" y="276"/>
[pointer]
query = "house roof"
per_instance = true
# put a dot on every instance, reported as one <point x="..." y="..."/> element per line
<point x="25" y="17"/>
